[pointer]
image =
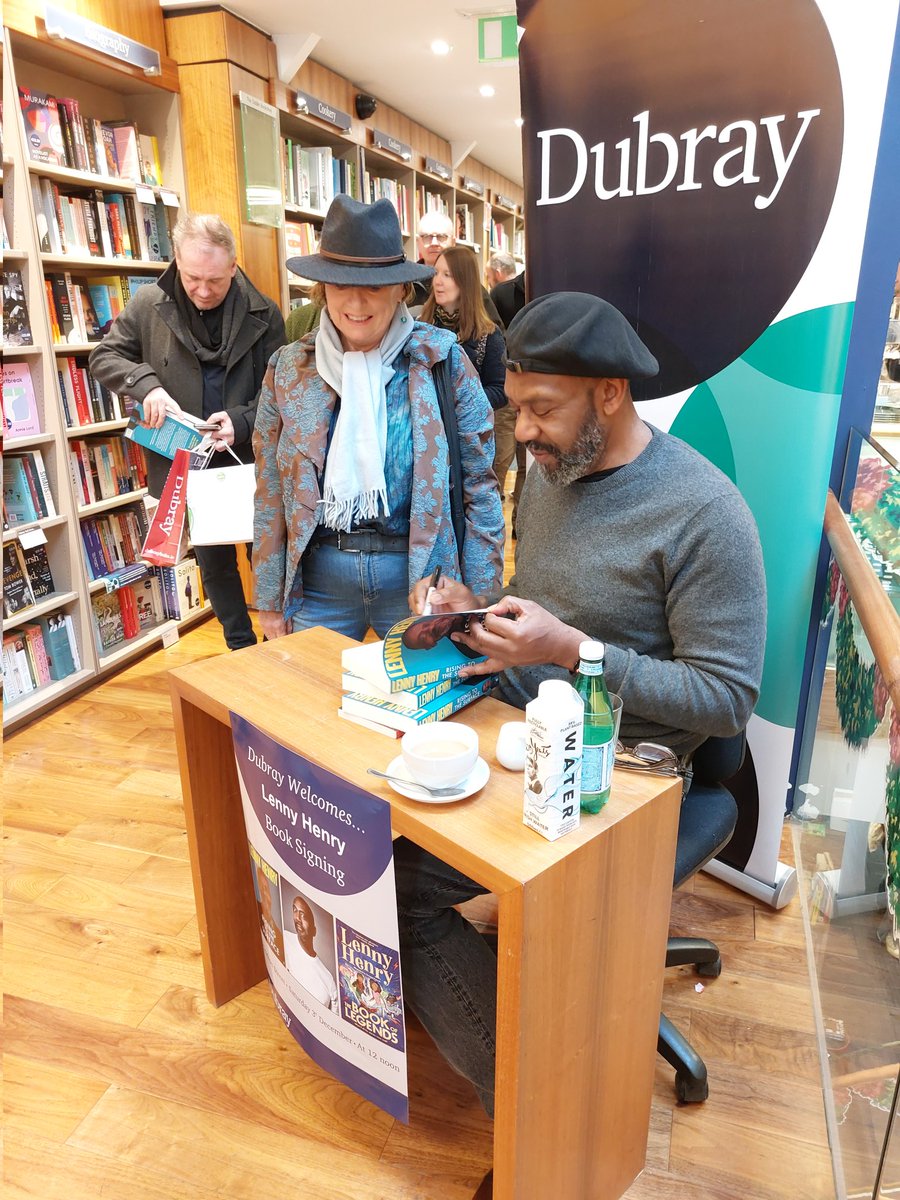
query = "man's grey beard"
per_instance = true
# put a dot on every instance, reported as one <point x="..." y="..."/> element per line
<point x="573" y="463"/>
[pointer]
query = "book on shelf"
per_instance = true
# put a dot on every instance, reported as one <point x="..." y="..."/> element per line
<point x="17" y="593"/>
<point x="128" y="153"/>
<point x="36" y="565"/>
<point x="20" y="411"/>
<point x="28" y="465"/>
<point x="37" y="654"/>
<point x="109" y="629"/>
<point x="150" y="164"/>
<point x="59" y="642"/>
<point x="18" y="677"/>
<point x="396" y="716"/>
<point x="16" y="323"/>
<point x="182" y="594"/>
<point x="43" y="132"/>
<point x="26" y="488"/>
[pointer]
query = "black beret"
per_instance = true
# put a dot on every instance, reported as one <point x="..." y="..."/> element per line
<point x="573" y="333"/>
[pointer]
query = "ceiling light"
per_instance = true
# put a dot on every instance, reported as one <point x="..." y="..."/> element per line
<point x="519" y="122"/>
<point x="439" y="46"/>
<point x="487" y="90"/>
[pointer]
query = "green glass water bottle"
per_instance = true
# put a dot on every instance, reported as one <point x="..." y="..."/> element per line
<point x="599" y="729"/>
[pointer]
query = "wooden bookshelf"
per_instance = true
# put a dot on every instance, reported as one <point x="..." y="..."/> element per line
<point x="110" y="91"/>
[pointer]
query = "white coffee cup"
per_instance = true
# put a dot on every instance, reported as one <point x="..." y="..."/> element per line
<point x="440" y="754"/>
<point x="511" y="745"/>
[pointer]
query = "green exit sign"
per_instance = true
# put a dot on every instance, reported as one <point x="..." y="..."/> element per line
<point x="498" y="39"/>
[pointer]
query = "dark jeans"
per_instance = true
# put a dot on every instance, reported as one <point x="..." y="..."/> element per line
<point x="449" y="970"/>
<point x="222" y="582"/>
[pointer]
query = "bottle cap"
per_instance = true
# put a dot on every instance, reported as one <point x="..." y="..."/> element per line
<point x="558" y="690"/>
<point x="592" y="651"/>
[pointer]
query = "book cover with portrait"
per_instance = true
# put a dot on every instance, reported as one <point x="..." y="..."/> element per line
<point x="370" y="992"/>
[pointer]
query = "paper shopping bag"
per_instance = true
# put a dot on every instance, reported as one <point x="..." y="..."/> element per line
<point x="220" y="502"/>
<point x="162" y="545"/>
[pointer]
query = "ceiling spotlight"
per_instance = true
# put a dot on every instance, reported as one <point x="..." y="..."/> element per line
<point x="519" y="122"/>
<point x="487" y="90"/>
<point x="439" y="46"/>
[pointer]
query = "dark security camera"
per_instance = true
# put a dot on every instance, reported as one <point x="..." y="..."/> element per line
<point x="365" y="106"/>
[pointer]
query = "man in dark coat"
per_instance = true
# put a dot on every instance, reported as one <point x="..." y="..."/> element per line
<point x="198" y="340"/>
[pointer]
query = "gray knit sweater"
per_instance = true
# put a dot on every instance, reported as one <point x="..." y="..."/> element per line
<point x="661" y="561"/>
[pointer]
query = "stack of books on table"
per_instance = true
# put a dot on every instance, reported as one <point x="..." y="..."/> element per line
<point x="411" y="677"/>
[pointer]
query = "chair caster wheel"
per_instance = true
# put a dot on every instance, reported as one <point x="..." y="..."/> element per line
<point x="711" y="970"/>
<point x="690" y="1090"/>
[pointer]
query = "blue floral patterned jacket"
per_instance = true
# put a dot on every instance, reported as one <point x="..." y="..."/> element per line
<point x="289" y="441"/>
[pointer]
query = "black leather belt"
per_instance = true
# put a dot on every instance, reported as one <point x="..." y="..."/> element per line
<point x="364" y="541"/>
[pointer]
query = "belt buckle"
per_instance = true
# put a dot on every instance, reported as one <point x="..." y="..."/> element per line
<point x="340" y="545"/>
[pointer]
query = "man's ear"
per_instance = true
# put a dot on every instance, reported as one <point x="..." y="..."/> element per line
<point x="611" y="395"/>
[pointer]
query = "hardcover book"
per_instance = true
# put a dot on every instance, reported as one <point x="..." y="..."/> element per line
<point x="416" y="653"/>
<point x="43" y="133"/>
<point x="397" y="716"/>
<point x="16" y="325"/>
<point x="17" y="592"/>
<point x="108" y="624"/>
<point x="20" y="413"/>
<point x="37" y="570"/>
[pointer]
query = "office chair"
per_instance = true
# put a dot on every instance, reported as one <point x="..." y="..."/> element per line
<point x="708" y="817"/>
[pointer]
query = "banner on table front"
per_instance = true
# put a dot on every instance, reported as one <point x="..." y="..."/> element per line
<point x="320" y="854"/>
<point x="708" y="168"/>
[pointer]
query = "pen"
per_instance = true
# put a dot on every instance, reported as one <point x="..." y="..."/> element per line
<point x="432" y="584"/>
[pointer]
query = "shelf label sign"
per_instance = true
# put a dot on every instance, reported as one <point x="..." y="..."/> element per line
<point x="69" y="25"/>
<point x="384" y="141"/>
<point x="498" y="39"/>
<point x="437" y="168"/>
<point x="472" y="185"/>
<point x="504" y="201"/>
<point x="312" y="106"/>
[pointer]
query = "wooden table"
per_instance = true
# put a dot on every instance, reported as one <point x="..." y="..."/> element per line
<point x="582" y="921"/>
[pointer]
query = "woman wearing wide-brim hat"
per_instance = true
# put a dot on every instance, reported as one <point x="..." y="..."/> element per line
<point x="353" y="496"/>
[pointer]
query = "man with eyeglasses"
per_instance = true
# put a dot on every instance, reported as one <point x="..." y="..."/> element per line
<point x="434" y="235"/>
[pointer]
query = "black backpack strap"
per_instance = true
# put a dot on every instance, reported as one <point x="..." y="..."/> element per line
<point x="441" y="374"/>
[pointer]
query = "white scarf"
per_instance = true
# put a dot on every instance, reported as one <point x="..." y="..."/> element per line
<point x="354" y="484"/>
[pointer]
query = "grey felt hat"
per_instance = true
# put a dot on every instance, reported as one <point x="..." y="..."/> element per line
<point x="360" y="244"/>
<point x="573" y="333"/>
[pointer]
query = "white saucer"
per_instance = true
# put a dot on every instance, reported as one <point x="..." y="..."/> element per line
<point x="473" y="782"/>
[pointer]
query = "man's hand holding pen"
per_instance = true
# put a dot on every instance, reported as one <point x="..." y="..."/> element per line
<point x="513" y="632"/>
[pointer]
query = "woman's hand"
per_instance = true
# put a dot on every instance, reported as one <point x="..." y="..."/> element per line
<point x="532" y="637"/>
<point x="273" y="624"/>
<point x="449" y="596"/>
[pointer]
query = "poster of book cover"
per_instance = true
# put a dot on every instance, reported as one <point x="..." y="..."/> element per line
<point x="322" y="868"/>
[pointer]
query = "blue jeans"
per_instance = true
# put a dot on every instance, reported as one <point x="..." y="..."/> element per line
<point x="449" y="970"/>
<point x="352" y="592"/>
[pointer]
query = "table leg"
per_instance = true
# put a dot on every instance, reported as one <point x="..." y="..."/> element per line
<point x="581" y="954"/>
<point x="230" y="941"/>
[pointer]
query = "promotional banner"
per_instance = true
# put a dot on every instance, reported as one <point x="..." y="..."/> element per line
<point x="708" y="168"/>
<point x="320" y="853"/>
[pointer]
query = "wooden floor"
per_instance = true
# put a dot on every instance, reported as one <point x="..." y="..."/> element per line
<point x="122" y="1083"/>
